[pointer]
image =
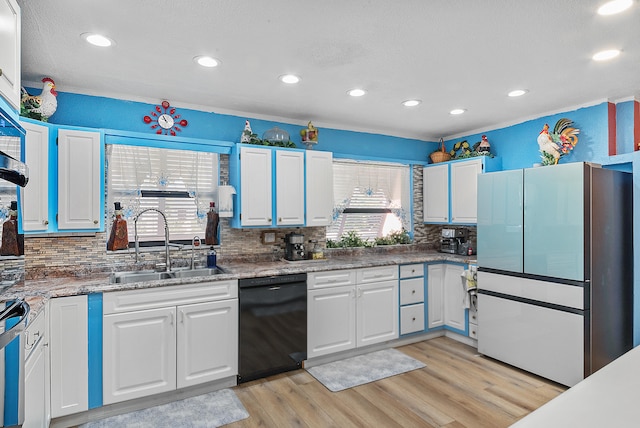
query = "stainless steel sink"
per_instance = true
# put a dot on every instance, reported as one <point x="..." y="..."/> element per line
<point x="191" y="273"/>
<point x="147" y="275"/>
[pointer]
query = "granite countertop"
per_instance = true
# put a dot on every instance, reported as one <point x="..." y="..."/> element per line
<point x="37" y="292"/>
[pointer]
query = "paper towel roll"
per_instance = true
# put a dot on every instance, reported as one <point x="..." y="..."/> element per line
<point x="225" y="200"/>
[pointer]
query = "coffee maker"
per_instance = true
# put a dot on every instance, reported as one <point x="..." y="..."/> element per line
<point x="294" y="246"/>
<point x="453" y="239"/>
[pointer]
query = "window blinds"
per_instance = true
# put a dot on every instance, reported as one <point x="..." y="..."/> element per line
<point x="132" y="169"/>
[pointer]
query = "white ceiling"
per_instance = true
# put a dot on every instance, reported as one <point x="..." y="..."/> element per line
<point x="448" y="53"/>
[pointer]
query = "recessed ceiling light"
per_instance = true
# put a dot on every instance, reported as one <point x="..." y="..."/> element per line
<point x="606" y="55"/>
<point x="207" y="61"/>
<point x="411" y="103"/>
<point x="289" y="78"/>
<point x="457" y="111"/>
<point x="357" y="92"/>
<point x="97" y="39"/>
<point x="615" y="6"/>
<point x="517" y="92"/>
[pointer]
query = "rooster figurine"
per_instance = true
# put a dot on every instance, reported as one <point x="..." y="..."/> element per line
<point x="40" y="107"/>
<point x="554" y="145"/>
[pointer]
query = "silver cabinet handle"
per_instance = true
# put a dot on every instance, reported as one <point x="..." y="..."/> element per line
<point x="95" y="221"/>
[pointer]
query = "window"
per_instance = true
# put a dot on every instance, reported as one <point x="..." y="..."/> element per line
<point x="180" y="183"/>
<point x="372" y="199"/>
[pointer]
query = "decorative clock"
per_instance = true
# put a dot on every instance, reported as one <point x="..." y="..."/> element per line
<point x="165" y="120"/>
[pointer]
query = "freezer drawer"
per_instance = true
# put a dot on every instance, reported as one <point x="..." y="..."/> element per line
<point x="544" y="341"/>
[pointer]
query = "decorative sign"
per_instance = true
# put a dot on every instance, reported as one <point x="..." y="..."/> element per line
<point x="165" y="120"/>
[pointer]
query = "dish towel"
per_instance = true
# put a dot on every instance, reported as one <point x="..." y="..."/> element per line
<point x="225" y="200"/>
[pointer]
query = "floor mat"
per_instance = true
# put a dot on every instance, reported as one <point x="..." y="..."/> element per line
<point x="208" y="410"/>
<point x="362" y="369"/>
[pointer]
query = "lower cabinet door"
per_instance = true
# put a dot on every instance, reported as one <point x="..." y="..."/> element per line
<point x="377" y="309"/>
<point x="68" y="350"/>
<point x="207" y="337"/>
<point x="331" y="320"/>
<point x="139" y="354"/>
<point x="35" y="390"/>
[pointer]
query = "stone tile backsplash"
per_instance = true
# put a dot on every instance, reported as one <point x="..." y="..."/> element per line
<point x="60" y="255"/>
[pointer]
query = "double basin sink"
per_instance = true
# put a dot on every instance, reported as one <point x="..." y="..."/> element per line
<point x="148" y="275"/>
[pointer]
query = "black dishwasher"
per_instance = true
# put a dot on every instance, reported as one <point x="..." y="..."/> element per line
<point x="273" y="325"/>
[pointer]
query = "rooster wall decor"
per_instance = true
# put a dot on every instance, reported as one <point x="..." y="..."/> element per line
<point x="559" y="142"/>
<point x="40" y="107"/>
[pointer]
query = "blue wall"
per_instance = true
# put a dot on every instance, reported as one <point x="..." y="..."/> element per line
<point x="109" y="113"/>
<point x="517" y="145"/>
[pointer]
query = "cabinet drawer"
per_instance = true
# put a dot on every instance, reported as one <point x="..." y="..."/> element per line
<point x="376" y="274"/>
<point x="149" y="298"/>
<point x="411" y="318"/>
<point x="411" y="291"/>
<point x="473" y="330"/>
<point x="332" y="278"/>
<point x="410" y="271"/>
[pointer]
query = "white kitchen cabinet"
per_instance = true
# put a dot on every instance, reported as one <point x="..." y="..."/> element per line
<point x="289" y="188"/>
<point x="256" y="197"/>
<point x="360" y="313"/>
<point x="79" y="174"/>
<point x="157" y="340"/>
<point x="10" y="38"/>
<point x="464" y="192"/>
<point x="435" y="295"/>
<point x="454" y="296"/>
<point x="319" y="196"/>
<point x="207" y="340"/>
<point x="36" y="380"/>
<point x="80" y="180"/>
<point x="258" y="182"/>
<point x="35" y="196"/>
<point x="435" y="197"/>
<point x="450" y="191"/>
<point x="68" y="327"/>
<point x="446" y="295"/>
<point x="377" y="312"/>
<point x="331" y="320"/>
<point x="139" y="354"/>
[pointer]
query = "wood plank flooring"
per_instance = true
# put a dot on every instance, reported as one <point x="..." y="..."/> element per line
<point x="457" y="388"/>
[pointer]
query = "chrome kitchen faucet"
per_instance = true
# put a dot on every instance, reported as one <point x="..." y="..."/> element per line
<point x="166" y="236"/>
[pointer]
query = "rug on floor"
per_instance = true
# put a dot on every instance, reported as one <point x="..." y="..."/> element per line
<point x="208" y="410"/>
<point x="362" y="369"/>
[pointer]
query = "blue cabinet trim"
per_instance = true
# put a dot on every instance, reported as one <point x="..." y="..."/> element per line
<point x="95" y="349"/>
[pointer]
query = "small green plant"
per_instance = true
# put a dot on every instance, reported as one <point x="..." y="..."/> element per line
<point x="399" y="237"/>
<point x="351" y="239"/>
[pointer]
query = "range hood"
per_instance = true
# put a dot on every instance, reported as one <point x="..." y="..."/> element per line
<point x="13" y="170"/>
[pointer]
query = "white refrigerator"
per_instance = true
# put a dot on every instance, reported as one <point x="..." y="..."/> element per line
<point x="555" y="268"/>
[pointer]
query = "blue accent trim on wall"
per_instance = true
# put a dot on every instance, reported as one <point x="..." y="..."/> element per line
<point x="94" y="302"/>
<point x="11" y="376"/>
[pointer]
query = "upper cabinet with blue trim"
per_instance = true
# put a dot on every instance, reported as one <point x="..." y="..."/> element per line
<point x="264" y="175"/>
<point x="10" y="52"/>
<point x="281" y="187"/>
<point x="65" y="192"/>
<point x="450" y="189"/>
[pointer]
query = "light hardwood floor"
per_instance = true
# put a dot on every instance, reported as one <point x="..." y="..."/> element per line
<point x="457" y="388"/>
